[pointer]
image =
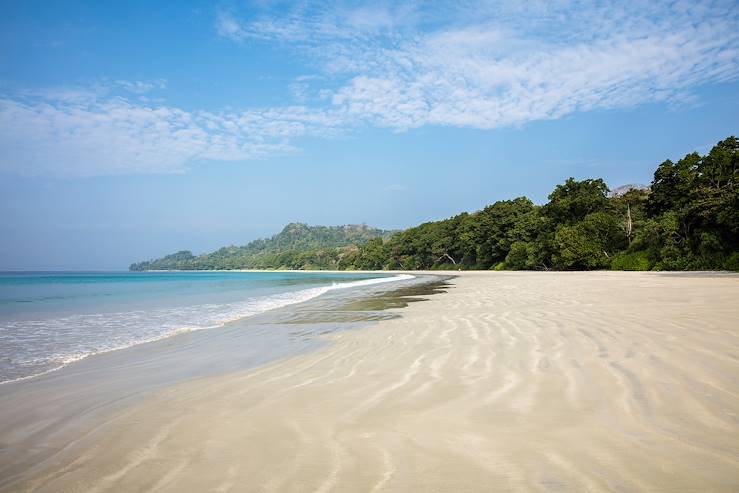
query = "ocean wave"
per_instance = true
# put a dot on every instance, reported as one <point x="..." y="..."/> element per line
<point x="29" y="349"/>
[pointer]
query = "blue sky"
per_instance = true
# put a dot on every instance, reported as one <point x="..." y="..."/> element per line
<point x="133" y="129"/>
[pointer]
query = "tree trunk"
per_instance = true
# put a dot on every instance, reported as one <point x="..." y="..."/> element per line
<point x="447" y="256"/>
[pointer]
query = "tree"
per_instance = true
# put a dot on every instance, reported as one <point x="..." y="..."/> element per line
<point x="632" y="207"/>
<point x="589" y="244"/>
<point x="571" y="202"/>
<point x="713" y="211"/>
<point x="672" y="185"/>
<point x="524" y="256"/>
<point x="501" y="225"/>
<point x="688" y="220"/>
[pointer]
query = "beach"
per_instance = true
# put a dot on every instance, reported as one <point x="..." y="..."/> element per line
<point x="508" y="381"/>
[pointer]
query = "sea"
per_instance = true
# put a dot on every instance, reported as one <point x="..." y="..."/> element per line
<point x="51" y="319"/>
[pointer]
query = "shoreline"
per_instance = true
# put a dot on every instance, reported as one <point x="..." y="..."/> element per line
<point x="42" y="415"/>
<point x="297" y="298"/>
<point x="524" y="381"/>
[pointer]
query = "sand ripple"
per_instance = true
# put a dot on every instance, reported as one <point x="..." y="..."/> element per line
<point x="510" y="381"/>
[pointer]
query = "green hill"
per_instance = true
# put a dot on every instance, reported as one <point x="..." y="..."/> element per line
<point x="686" y="219"/>
<point x="297" y="246"/>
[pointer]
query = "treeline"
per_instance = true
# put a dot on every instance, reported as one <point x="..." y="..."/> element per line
<point x="688" y="219"/>
<point x="293" y="247"/>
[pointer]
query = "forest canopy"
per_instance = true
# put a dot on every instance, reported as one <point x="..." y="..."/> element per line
<point x="687" y="219"/>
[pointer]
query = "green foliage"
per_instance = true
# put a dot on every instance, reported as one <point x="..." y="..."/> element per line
<point x="297" y="246"/>
<point x="588" y="244"/>
<point x="732" y="263"/>
<point x="523" y="256"/>
<point x="631" y="261"/>
<point x="574" y="250"/>
<point x="503" y="224"/>
<point x="687" y="219"/>
<point x="517" y="257"/>
<point x="571" y="202"/>
<point x="672" y="185"/>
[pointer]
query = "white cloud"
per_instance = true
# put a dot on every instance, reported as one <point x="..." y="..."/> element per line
<point x="301" y="89"/>
<point x="228" y="27"/>
<point x="498" y="64"/>
<point x="482" y="65"/>
<point x="111" y="135"/>
<point x="141" y="86"/>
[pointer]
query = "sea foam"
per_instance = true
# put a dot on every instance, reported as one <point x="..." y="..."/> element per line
<point x="30" y="348"/>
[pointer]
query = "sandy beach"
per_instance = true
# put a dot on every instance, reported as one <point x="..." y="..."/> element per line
<point x="598" y="381"/>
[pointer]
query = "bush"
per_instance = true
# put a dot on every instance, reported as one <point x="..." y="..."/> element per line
<point x="672" y="264"/>
<point x="517" y="257"/>
<point x="576" y="249"/>
<point x="524" y="256"/>
<point x="631" y="261"/>
<point x="689" y="261"/>
<point x="733" y="262"/>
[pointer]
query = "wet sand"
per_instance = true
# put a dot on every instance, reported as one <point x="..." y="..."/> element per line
<point x="509" y="381"/>
<point x="50" y="417"/>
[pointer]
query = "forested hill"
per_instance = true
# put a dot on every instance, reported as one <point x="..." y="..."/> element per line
<point x="686" y="219"/>
<point x="281" y="250"/>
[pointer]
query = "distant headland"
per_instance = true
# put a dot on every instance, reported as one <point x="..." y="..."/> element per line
<point x="686" y="219"/>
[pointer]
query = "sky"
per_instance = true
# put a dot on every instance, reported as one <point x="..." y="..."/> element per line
<point x="129" y="130"/>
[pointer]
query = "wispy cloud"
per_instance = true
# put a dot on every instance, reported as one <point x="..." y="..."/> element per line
<point x="484" y="66"/>
<point x="228" y="27"/>
<point x="85" y="135"/>
<point x="316" y="23"/>
<point x="141" y="86"/>
<point x="508" y="63"/>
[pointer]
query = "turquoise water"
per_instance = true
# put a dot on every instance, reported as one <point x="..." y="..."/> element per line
<point x="48" y="319"/>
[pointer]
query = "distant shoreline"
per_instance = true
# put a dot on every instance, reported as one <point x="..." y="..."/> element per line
<point x="441" y="272"/>
<point x="685" y="220"/>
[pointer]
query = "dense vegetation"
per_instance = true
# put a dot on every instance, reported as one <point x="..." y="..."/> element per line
<point x="297" y="246"/>
<point x="687" y="219"/>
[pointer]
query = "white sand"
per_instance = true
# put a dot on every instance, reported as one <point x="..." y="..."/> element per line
<point x="510" y="381"/>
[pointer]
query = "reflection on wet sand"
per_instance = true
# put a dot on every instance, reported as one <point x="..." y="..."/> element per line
<point x="364" y="308"/>
<point x="45" y="418"/>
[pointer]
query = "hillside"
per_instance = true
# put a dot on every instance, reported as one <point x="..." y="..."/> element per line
<point x="686" y="219"/>
<point x="287" y="249"/>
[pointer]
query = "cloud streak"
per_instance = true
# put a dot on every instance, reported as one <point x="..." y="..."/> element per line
<point x="505" y="64"/>
<point x="89" y="135"/>
<point x="483" y="66"/>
